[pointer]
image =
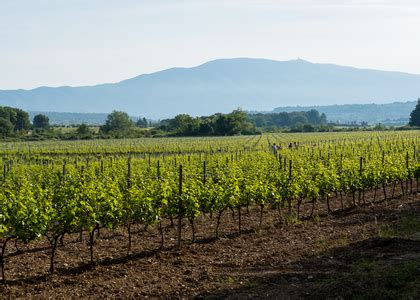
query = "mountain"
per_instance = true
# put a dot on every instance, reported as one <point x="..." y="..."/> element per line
<point x="396" y="113"/>
<point x="68" y="118"/>
<point x="223" y="85"/>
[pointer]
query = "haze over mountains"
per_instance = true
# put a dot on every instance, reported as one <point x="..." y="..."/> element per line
<point x="223" y="85"/>
<point x="396" y="113"/>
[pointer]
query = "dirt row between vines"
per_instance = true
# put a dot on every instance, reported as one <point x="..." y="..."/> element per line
<point x="278" y="260"/>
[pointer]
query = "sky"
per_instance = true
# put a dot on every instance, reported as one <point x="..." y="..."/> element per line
<point x="87" y="42"/>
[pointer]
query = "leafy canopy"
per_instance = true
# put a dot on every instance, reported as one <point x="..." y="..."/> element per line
<point x="41" y="121"/>
<point x="118" y="122"/>
<point x="415" y="116"/>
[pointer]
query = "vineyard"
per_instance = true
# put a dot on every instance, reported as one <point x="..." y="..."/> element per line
<point x="50" y="190"/>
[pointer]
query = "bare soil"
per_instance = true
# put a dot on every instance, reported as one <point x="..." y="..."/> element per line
<point x="309" y="258"/>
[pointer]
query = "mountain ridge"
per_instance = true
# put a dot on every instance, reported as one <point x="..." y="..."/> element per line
<point x="211" y="62"/>
<point x="223" y="85"/>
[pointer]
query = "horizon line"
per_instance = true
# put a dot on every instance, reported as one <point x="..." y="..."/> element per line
<point x="298" y="59"/>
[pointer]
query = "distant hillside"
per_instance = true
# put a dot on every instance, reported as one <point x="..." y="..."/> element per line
<point x="396" y="113"/>
<point x="67" y="118"/>
<point x="223" y="85"/>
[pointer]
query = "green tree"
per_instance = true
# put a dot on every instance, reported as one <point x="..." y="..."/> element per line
<point x="220" y="124"/>
<point x="8" y="113"/>
<point x="118" y="122"/>
<point x="237" y="121"/>
<point x="206" y="127"/>
<point x="298" y="118"/>
<point x="282" y="119"/>
<point x="183" y="124"/>
<point x="308" y="128"/>
<point x="142" y="123"/>
<point x="313" y="116"/>
<point x="41" y="121"/>
<point x="323" y="119"/>
<point x="22" y="120"/>
<point x="18" y="117"/>
<point x="83" y="129"/>
<point x="415" y="115"/>
<point x="180" y="122"/>
<point x="6" y="127"/>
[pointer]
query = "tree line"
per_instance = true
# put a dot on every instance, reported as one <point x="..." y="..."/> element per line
<point x="240" y="122"/>
<point x="236" y="122"/>
<point x="304" y="120"/>
<point x="15" y="120"/>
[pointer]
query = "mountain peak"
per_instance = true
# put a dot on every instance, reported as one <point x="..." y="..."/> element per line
<point x="223" y="85"/>
<point x="300" y="60"/>
<point x="252" y="60"/>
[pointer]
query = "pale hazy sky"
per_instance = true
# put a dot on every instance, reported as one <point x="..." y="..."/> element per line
<point x="84" y="42"/>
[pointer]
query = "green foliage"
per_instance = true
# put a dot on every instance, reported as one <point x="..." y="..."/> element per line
<point x="117" y="122"/>
<point x="142" y="123"/>
<point x="12" y="119"/>
<point x="6" y="127"/>
<point x="300" y="121"/>
<point x="390" y="113"/>
<point x="415" y="115"/>
<point x="41" y="121"/>
<point x="218" y="124"/>
<point x="44" y="194"/>
<point x="83" y="129"/>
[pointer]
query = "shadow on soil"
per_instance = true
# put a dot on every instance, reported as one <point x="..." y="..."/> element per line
<point x="384" y="267"/>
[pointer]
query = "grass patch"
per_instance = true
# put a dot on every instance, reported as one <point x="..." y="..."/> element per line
<point x="406" y="228"/>
<point x="292" y="220"/>
<point x="369" y="279"/>
<point x="316" y="219"/>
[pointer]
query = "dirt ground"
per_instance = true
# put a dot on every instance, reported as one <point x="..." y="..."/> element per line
<point x="372" y="250"/>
